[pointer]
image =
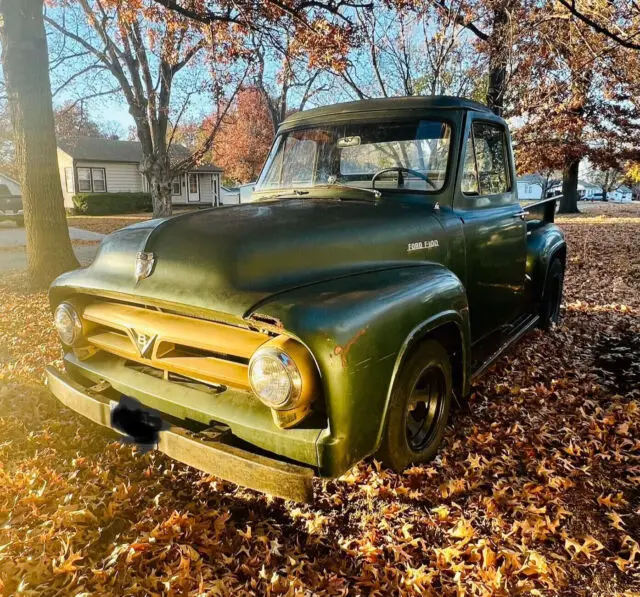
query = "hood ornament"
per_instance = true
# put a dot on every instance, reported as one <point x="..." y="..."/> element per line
<point x="144" y="265"/>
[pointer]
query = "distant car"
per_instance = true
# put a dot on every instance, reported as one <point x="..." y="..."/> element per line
<point x="11" y="206"/>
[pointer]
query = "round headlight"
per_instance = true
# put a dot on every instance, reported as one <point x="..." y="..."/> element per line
<point x="68" y="324"/>
<point x="274" y="378"/>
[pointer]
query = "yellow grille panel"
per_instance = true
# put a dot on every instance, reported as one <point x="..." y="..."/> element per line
<point x="173" y="336"/>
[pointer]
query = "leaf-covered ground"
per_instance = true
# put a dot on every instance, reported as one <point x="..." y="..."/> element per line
<point x="536" y="490"/>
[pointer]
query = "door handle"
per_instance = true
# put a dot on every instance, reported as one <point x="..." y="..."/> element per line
<point x="521" y="214"/>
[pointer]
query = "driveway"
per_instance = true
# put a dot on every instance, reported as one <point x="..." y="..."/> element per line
<point x="13" y="254"/>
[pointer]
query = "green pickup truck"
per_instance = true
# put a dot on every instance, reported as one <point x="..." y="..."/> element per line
<point x="384" y="263"/>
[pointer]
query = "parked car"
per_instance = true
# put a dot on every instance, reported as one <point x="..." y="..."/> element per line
<point x="384" y="264"/>
<point x="11" y="206"/>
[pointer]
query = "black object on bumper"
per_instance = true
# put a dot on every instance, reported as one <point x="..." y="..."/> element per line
<point x="228" y="462"/>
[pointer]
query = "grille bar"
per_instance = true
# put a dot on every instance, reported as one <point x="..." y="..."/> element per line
<point x="220" y="352"/>
<point x="207" y="335"/>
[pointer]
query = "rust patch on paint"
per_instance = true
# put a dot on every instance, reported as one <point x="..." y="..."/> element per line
<point x="261" y="318"/>
<point x="343" y="351"/>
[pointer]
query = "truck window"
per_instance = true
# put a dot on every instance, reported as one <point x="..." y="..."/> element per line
<point x="486" y="170"/>
<point x="353" y="153"/>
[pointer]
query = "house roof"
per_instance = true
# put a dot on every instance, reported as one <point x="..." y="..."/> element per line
<point x="97" y="149"/>
<point x="530" y="178"/>
<point x="9" y="178"/>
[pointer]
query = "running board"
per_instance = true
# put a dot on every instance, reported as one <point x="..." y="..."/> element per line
<point x="521" y="331"/>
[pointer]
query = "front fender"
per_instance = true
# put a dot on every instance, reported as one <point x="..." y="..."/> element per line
<point x="358" y="329"/>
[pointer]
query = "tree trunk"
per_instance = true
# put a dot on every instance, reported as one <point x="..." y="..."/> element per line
<point x="25" y="62"/>
<point x="569" y="199"/>
<point x="499" y="45"/>
<point x="160" y="189"/>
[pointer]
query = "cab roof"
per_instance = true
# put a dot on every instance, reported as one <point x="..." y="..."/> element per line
<point x="377" y="108"/>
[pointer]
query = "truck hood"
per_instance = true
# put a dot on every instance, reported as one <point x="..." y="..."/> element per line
<point x="231" y="258"/>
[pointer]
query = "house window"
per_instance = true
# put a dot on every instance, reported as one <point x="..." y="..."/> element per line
<point x="84" y="180"/>
<point x="97" y="178"/>
<point x="68" y="179"/>
<point x="193" y="184"/>
<point x="176" y="187"/>
<point x="91" y="180"/>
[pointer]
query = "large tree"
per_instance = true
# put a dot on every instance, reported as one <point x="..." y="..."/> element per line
<point x="412" y="49"/>
<point x="73" y="120"/>
<point x="577" y="96"/>
<point x="245" y="136"/>
<point x="170" y="58"/>
<point x="26" y="74"/>
<point x="163" y="65"/>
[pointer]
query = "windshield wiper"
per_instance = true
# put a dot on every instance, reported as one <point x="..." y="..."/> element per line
<point x="295" y="192"/>
<point x="376" y="194"/>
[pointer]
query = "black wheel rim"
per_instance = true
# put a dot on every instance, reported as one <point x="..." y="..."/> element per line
<point x="425" y="409"/>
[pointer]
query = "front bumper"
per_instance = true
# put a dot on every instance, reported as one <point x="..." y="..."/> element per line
<point x="226" y="461"/>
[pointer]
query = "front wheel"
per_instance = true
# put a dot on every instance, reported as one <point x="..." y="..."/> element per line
<point x="552" y="296"/>
<point x="419" y="408"/>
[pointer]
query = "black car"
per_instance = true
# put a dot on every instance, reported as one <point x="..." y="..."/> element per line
<point x="10" y="206"/>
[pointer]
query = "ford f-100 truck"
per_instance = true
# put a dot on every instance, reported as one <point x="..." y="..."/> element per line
<point x="384" y="263"/>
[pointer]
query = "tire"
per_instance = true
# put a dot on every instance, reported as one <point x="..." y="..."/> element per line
<point x="552" y="296"/>
<point x="413" y="432"/>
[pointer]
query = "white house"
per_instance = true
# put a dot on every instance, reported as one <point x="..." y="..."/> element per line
<point x="95" y="165"/>
<point x="589" y="191"/>
<point x="529" y="187"/>
<point x="11" y="184"/>
<point x="621" y="195"/>
<point x="586" y="191"/>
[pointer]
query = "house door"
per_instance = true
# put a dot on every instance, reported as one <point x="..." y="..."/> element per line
<point x="193" y="187"/>
<point x="214" y="186"/>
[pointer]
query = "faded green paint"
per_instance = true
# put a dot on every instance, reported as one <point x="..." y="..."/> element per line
<point x="333" y="267"/>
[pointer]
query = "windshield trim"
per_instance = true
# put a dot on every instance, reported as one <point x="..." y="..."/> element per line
<point x="408" y="118"/>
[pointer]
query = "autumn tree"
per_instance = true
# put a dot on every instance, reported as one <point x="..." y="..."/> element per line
<point x="284" y="77"/>
<point x="26" y="75"/>
<point x="618" y="21"/>
<point x="245" y="137"/>
<point x="148" y="47"/>
<point x="73" y="120"/>
<point x="163" y="64"/>
<point x="408" y="49"/>
<point x="584" y="103"/>
<point x="494" y="25"/>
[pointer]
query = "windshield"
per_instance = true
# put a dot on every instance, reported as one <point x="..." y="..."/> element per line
<point x="352" y="153"/>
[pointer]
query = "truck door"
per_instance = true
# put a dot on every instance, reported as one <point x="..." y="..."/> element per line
<point x="494" y="228"/>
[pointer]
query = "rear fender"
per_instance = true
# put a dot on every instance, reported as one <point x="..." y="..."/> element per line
<point x="544" y="244"/>
<point x="359" y="329"/>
